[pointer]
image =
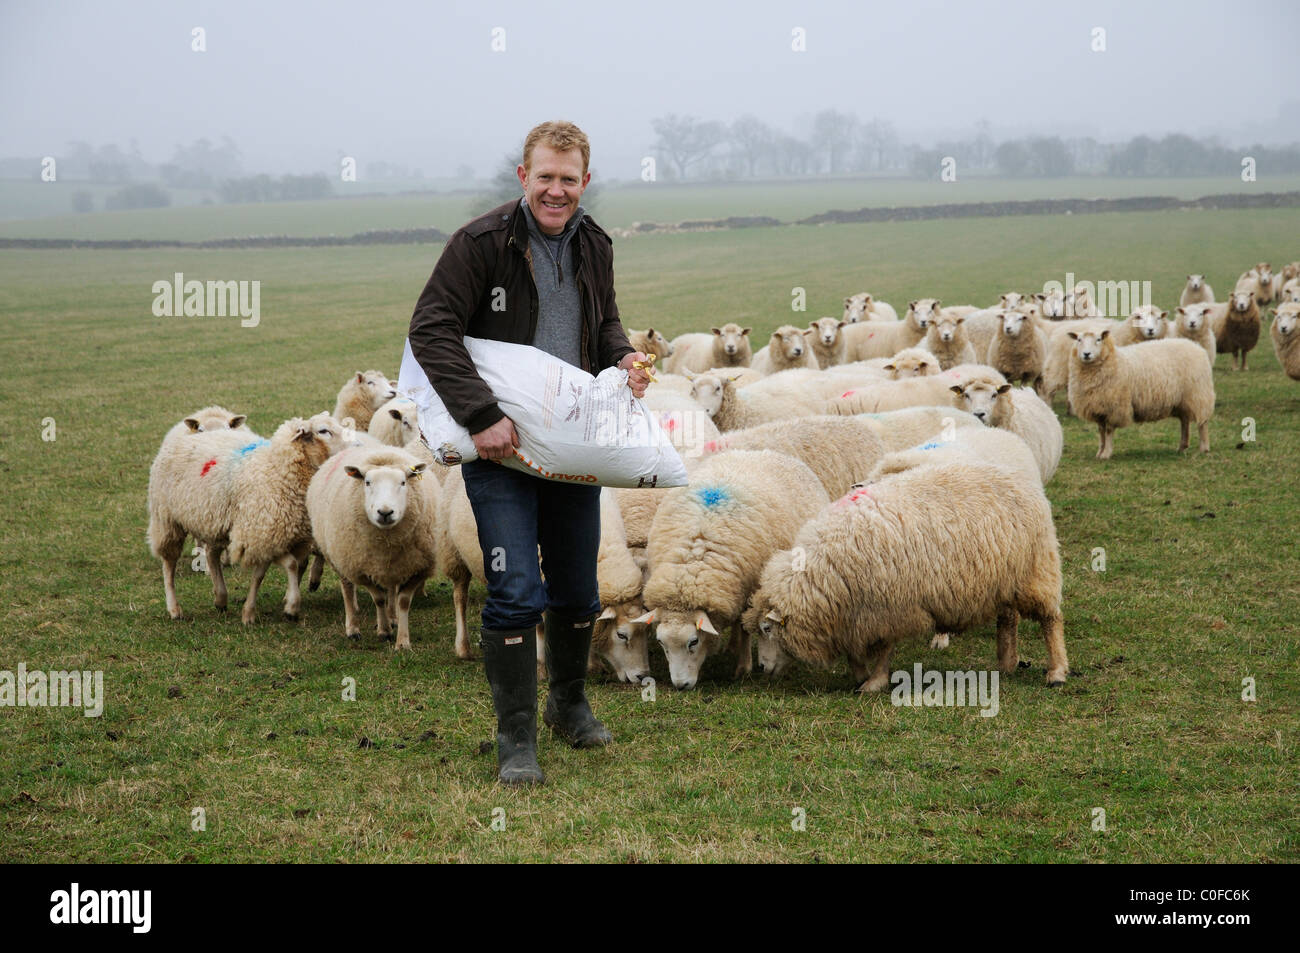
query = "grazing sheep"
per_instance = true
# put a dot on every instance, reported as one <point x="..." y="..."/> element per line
<point x="363" y="394"/>
<point x="1285" y="338"/>
<point x="947" y="340"/>
<point x="727" y="346"/>
<point x="827" y="341"/>
<point x="839" y="450"/>
<point x="1236" y="326"/>
<point x="1196" y="291"/>
<point x="785" y="350"/>
<point x="372" y="515"/>
<point x="863" y="307"/>
<point x="1114" y="387"/>
<point x="912" y="362"/>
<point x="943" y="547"/>
<point x="1019" y="349"/>
<point x="990" y="399"/>
<point x="619" y="641"/>
<point x="248" y="496"/>
<point x="708" y="545"/>
<point x="1193" y="324"/>
<point x="651" y="341"/>
<point x="868" y="339"/>
<point x="900" y="429"/>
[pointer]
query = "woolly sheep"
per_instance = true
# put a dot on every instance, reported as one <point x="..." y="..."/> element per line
<point x="396" y="423"/>
<point x="827" y="341"/>
<point x="372" y="515"/>
<point x="363" y="394"/>
<point x="863" y="307"/>
<point x="912" y="362"/>
<point x="1196" y="291"/>
<point x="900" y="429"/>
<point x="248" y="496"/>
<point x="839" y="450"/>
<point x="1146" y="323"/>
<point x="1019" y="349"/>
<point x="993" y="401"/>
<point x="1236" y="324"/>
<point x="1080" y="303"/>
<point x="1049" y="305"/>
<point x="786" y="349"/>
<point x="947" y="340"/>
<point x="945" y="547"/>
<point x="1056" y="364"/>
<point x="1265" y="281"/>
<point x="982" y="326"/>
<point x="1283" y="333"/>
<point x="877" y="396"/>
<point x="868" y="339"/>
<point x="1114" y="387"/>
<point x="1290" y="293"/>
<point x="982" y="444"/>
<point x="651" y="341"/>
<point x="708" y="545"/>
<point x="727" y="346"/>
<point x="774" y="398"/>
<point x="1193" y="324"/>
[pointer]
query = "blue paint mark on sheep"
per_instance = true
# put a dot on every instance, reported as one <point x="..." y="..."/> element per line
<point x="255" y="445"/>
<point x="934" y="445"/>
<point x="712" y="496"/>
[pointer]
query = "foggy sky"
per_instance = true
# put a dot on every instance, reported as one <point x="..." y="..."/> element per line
<point x="296" y="85"/>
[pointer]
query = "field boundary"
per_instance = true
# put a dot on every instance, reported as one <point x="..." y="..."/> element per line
<point x="900" y="213"/>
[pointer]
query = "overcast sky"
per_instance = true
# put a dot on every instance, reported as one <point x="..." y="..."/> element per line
<point x="297" y="84"/>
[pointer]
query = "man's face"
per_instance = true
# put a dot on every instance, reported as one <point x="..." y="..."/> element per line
<point x="553" y="186"/>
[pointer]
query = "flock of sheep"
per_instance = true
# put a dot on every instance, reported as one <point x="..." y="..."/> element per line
<point x="852" y="484"/>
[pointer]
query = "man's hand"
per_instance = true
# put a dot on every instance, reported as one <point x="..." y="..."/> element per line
<point x="497" y="442"/>
<point x="637" y="378"/>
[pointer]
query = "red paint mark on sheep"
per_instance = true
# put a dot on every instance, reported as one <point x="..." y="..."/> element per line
<point x="208" y="466"/>
<point x="847" y="393"/>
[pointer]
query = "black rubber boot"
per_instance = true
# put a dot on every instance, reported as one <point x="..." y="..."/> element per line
<point x="568" y="643"/>
<point x="510" y="660"/>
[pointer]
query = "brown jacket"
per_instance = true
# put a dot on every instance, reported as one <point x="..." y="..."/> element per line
<point x="482" y="286"/>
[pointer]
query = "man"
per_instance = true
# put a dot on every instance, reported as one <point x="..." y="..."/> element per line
<point x="534" y="271"/>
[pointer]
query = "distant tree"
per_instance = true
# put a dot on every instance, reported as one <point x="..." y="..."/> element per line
<point x="792" y="156"/>
<point x="1012" y="158"/>
<point x="833" y="134"/>
<point x="1050" y="158"/>
<point x="685" y="140"/>
<point x="138" y="196"/>
<point x="82" y="201"/>
<point x="202" y="164"/>
<point x="925" y="163"/>
<point x="981" y="156"/>
<point x="1133" y="158"/>
<point x="752" y="139"/>
<point x="877" y="142"/>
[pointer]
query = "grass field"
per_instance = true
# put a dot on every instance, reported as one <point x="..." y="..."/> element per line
<point x="619" y="205"/>
<point x="1200" y="591"/>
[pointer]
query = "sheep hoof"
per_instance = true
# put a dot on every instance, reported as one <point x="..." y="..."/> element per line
<point x="1055" y="684"/>
<point x="249" y="618"/>
<point x="354" y="636"/>
<point x="940" y="640"/>
<point x="291" y="616"/>
<point x="176" y="615"/>
<point x="313" y="586"/>
<point x="1022" y="664"/>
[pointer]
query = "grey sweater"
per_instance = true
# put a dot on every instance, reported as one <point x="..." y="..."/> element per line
<point x="559" y="305"/>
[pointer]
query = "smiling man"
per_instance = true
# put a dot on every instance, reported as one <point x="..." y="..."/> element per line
<point x="537" y="271"/>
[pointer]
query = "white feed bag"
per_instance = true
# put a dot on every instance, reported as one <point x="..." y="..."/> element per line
<point x="572" y="427"/>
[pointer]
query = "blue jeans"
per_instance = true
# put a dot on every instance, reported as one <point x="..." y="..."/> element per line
<point x="516" y="513"/>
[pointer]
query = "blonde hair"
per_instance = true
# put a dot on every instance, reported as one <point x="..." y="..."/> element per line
<point x="560" y="136"/>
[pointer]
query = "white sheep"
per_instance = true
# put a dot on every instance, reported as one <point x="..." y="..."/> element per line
<point x="786" y="349"/>
<point x="982" y="444"/>
<point x="1115" y="387"/>
<point x="867" y="339"/>
<point x="708" y="545"/>
<point x="825" y="335"/>
<point x="993" y="401"/>
<point x="1060" y="347"/>
<point x="1196" y="291"/>
<point x="1019" y="349"/>
<point x="727" y="346"/>
<point x="947" y="340"/>
<point x="1193" y="324"/>
<point x="363" y="394"/>
<point x="912" y="362"/>
<point x="1236" y="326"/>
<point x="1146" y="323"/>
<point x="778" y="397"/>
<point x="1285" y="338"/>
<point x="1290" y="292"/>
<point x="372" y="515"/>
<point x="839" y="450"/>
<point x="863" y="307"/>
<point x="246" y="495"/>
<point x="651" y="341"/>
<point x="900" y="429"/>
<point x="1050" y="305"/>
<point x="874" y="397"/>
<point x="947" y="547"/>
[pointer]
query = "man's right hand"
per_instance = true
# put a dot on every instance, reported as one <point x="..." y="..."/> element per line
<point x="497" y="442"/>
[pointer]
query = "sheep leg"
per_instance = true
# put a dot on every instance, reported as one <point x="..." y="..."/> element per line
<point x="293" y="594"/>
<point x="744" y="654"/>
<point x="218" y="576"/>
<point x="402" y="599"/>
<point x="879" y="671"/>
<point x="459" y="599"/>
<point x="317" y="571"/>
<point x="383" y="627"/>
<point x="255" y="583"/>
<point x="1203" y="435"/>
<point x="1186" y="429"/>
<point x="169" y="585"/>
<point x="940" y="640"/>
<point x="1008" y="657"/>
<point x="1058" y="665"/>
<point x="350" y="625"/>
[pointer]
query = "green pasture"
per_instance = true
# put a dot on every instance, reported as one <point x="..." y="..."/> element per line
<point x="1200" y="590"/>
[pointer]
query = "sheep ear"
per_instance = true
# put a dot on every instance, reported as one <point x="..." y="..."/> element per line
<point x="650" y="333"/>
<point x="1104" y="334"/>
<point x="1071" y="335"/>
<point x="1182" y="310"/>
<point x="416" y="471"/>
<point x="703" y="624"/>
<point x="193" y="424"/>
<point x="911" y="305"/>
<point x="923" y="365"/>
<point x="304" y="434"/>
<point x="1164" y="314"/>
<point x="775" y="617"/>
<point x="957" y="389"/>
<point x="889" y="367"/>
<point x="608" y="613"/>
<point x="237" y="421"/>
<point x="716" y="330"/>
<point x="808" y="330"/>
<point x="745" y="331"/>
<point x="394" y="413"/>
<point x="361" y="377"/>
<point x="645" y="619"/>
<point x="936" y="305"/>
<point x="1040" y="296"/>
<point x="847" y="302"/>
<point x="1003" y="389"/>
<point x="958" y="319"/>
<point x="841" y="324"/>
<point x="354" y="472"/>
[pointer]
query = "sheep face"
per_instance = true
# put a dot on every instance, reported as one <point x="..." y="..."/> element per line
<point x="1013" y="322"/>
<point x="624" y="643"/>
<point x="1013" y="300"/>
<point x="980" y="398"/>
<point x="707" y="391"/>
<point x="826" y="330"/>
<point x="1051" y="304"/>
<point x="686" y="638"/>
<point x="856" y="307"/>
<point x="946" y="327"/>
<point x="789" y="340"/>
<point x="731" y="335"/>
<point x="1149" y="322"/>
<point x="1285" y="319"/>
<point x="1241" y="301"/>
<point x="1092" y="347"/>
<point x="215" y="418"/>
<point x="773" y="660"/>
<point x="1195" y="282"/>
<point x="660" y="344"/>
<point x="921" y="313"/>
<point x="1291" y="295"/>
<point x="912" y="363"/>
<point x="328" y="432"/>
<point x="385" y="491"/>
<point x="1193" y="317"/>
<point x="402" y="424"/>
<point x="379" y="387"/>
<point x="1265" y="272"/>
